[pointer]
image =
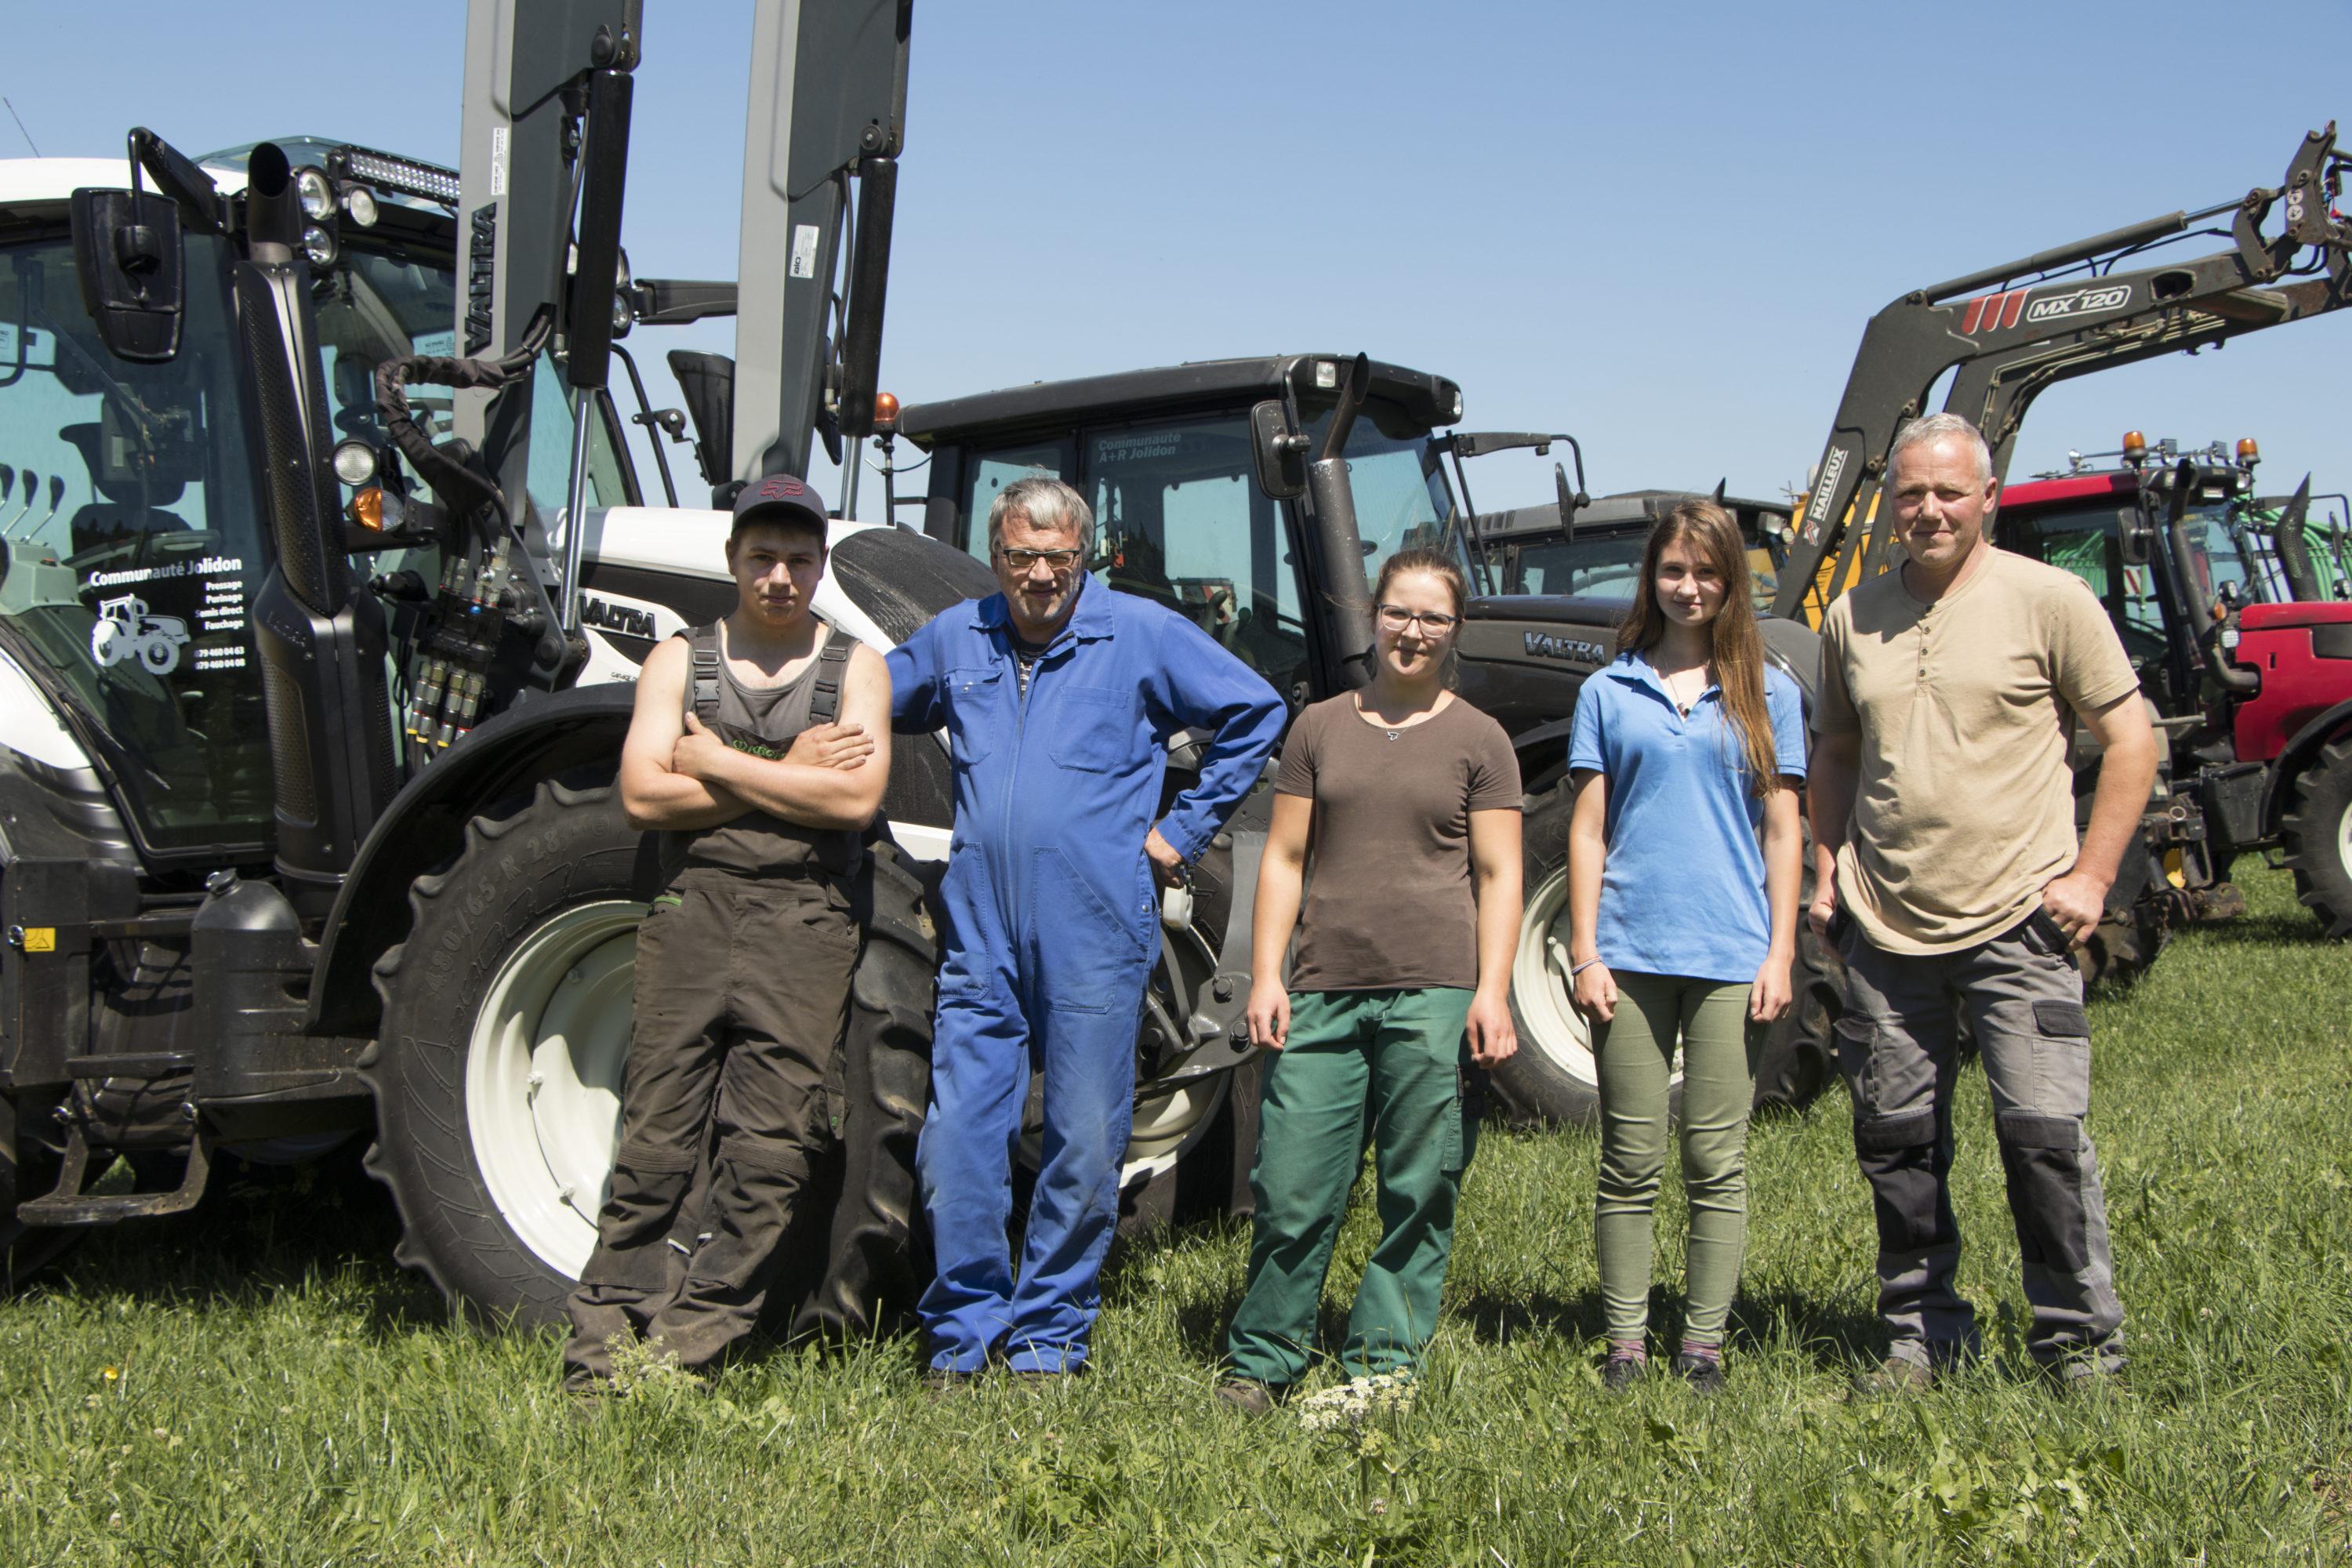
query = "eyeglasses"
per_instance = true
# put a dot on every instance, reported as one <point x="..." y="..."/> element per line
<point x="1055" y="561"/>
<point x="1432" y="622"/>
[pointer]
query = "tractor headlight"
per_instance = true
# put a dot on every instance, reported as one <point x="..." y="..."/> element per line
<point x="359" y="206"/>
<point x="319" y="244"/>
<point x="314" y="192"/>
<point x="354" y="461"/>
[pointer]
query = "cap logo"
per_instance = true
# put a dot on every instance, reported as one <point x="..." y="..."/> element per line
<point x="781" y="487"/>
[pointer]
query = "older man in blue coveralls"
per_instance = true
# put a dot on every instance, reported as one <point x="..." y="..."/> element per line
<point x="1058" y="696"/>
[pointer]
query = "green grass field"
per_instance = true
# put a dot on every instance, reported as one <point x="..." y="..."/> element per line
<point x="258" y="1384"/>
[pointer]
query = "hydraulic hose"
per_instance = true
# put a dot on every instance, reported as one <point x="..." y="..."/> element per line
<point x="464" y="489"/>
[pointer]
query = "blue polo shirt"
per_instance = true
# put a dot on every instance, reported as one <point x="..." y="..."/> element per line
<point x="1682" y="892"/>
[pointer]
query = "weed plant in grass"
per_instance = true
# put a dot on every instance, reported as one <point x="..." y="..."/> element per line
<point x="258" y="1384"/>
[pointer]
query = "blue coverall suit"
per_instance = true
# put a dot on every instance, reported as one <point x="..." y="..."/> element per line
<point x="1053" y="928"/>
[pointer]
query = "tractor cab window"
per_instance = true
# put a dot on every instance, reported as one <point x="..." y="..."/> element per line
<point x="129" y="546"/>
<point x="1179" y="519"/>
<point x="1402" y="501"/>
<point x="993" y="470"/>
<point x="2087" y="545"/>
<point x="1607" y="566"/>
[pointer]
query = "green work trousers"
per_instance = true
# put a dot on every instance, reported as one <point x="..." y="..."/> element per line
<point x="1383" y="1063"/>
<point x="1635" y="1052"/>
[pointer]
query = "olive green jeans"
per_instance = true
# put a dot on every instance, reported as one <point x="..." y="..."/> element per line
<point x="1391" y="1060"/>
<point x="1636" y="1054"/>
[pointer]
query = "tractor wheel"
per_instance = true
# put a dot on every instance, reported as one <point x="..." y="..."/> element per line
<point x="2120" y="951"/>
<point x="1553" y="1078"/>
<point x="505" y="1026"/>
<point x="2316" y="835"/>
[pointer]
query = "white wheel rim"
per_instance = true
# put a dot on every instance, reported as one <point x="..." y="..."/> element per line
<point x="1549" y="1021"/>
<point x="543" y="1077"/>
<point x="2343" y="842"/>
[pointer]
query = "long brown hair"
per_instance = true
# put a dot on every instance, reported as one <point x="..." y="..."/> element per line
<point x="1739" y="648"/>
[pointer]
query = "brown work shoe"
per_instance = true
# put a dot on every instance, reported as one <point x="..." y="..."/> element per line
<point x="1895" y="1376"/>
<point x="1247" y="1395"/>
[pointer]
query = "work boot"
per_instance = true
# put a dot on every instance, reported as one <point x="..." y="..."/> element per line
<point x="1247" y="1395"/>
<point x="1896" y="1375"/>
<point x="2081" y="1377"/>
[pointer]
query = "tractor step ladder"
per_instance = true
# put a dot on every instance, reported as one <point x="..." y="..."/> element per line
<point x="67" y="1205"/>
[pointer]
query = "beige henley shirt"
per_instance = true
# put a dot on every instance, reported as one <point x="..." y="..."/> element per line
<point x="1965" y="808"/>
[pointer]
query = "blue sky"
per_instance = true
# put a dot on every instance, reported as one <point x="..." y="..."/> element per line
<point x="1659" y="228"/>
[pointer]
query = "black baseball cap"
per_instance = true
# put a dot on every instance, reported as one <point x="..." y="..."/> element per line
<point x="780" y="498"/>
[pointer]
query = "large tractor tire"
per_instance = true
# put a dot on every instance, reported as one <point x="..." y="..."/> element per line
<point x="1553" y="1078"/>
<point x="2316" y="835"/>
<point x="498" y="1069"/>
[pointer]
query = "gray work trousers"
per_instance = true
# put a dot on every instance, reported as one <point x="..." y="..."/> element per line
<point x="1898" y="1046"/>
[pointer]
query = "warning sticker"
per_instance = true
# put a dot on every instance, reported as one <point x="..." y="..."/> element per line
<point x="803" y="250"/>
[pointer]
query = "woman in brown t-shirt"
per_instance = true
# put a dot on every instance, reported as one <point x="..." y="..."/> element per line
<point x="1404" y="800"/>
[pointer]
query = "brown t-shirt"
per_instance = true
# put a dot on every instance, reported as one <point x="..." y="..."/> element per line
<point x="1965" y="807"/>
<point x="1388" y="903"/>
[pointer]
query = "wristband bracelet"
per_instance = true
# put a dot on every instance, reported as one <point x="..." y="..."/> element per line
<point x="1576" y="969"/>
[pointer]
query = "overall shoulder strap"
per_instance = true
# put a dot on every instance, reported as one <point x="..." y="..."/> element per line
<point x="831" y="665"/>
<point x="702" y="676"/>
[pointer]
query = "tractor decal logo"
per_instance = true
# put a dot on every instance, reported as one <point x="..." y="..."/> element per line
<point x="1544" y="645"/>
<point x="125" y="630"/>
<point x="629" y="620"/>
<point x="2078" y="302"/>
<point x="1998" y="313"/>
<point x="1816" y="514"/>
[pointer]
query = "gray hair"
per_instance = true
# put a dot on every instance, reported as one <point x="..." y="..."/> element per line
<point x="1942" y="427"/>
<point x="1048" y="504"/>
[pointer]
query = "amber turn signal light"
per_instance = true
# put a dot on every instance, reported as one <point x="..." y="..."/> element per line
<point x="367" y="509"/>
<point x="886" y="411"/>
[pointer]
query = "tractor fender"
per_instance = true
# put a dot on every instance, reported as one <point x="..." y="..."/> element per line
<point x="2296" y="755"/>
<point x="425" y="825"/>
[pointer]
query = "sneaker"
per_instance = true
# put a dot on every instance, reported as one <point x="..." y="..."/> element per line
<point x="1247" y="1395"/>
<point x="1703" y="1372"/>
<point x="1895" y="1376"/>
<point x="1621" y="1373"/>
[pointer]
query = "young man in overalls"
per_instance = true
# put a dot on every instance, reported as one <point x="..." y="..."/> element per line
<point x="760" y="745"/>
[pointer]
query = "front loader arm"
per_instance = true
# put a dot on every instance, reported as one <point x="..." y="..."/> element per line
<point x="2078" y="315"/>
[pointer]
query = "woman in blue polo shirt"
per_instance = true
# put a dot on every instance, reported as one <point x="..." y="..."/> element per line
<point x="1687" y="756"/>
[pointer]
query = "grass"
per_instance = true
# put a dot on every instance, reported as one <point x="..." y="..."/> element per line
<point x="258" y="1384"/>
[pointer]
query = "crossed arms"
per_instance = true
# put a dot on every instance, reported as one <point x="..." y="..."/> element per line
<point x="677" y="775"/>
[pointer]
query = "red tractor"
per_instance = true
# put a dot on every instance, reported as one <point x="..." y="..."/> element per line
<point x="2241" y="646"/>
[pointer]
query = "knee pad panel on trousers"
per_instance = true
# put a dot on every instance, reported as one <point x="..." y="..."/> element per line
<point x="769" y="1156"/>
<point x="2040" y="1156"/>
<point x="636" y="1223"/>
<point x="1897" y="1154"/>
<point x="1892" y="1134"/>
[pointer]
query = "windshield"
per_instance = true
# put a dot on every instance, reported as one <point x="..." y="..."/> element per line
<point x="130" y="533"/>
<point x="1402" y="501"/>
<point x="2085" y="541"/>
<point x="1608" y="568"/>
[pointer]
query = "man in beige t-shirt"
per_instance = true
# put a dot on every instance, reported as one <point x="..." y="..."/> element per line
<point x="1946" y="870"/>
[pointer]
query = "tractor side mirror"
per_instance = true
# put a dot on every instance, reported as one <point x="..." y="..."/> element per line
<point x="1570" y="497"/>
<point x="2135" y="542"/>
<point x="1279" y="452"/>
<point x="127" y="253"/>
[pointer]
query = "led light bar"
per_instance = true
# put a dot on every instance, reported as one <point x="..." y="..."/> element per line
<point x="402" y="177"/>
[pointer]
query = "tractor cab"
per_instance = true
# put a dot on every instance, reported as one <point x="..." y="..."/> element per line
<point x="1167" y="459"/>
<point x="134" y="539"/>
<point x="1600" y="555"/>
